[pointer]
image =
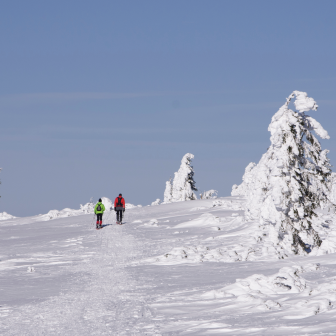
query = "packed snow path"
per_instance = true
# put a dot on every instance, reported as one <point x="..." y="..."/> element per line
<point x="187" y="268"/>
<point x="63" y="277"/>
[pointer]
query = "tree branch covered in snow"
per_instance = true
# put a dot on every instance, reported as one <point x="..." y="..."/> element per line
<point x="291" y="180"/>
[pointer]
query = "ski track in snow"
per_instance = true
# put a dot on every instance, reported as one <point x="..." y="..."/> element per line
<point x="186" y="268"/>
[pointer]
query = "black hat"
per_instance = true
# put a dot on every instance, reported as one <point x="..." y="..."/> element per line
<point x="120" y="194"/>
<point x="99" y="200"/>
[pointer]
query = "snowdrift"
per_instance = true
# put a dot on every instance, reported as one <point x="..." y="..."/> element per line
<point x="4" y="215"/>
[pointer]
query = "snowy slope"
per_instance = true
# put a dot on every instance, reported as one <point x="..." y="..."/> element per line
<point x="185" y="268"/>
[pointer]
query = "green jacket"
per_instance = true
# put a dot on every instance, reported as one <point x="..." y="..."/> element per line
<point x="101" y="206"/>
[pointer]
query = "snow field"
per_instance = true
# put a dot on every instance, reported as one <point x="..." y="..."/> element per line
<point x="95" y="296"/>
<point x="63" y="277"/>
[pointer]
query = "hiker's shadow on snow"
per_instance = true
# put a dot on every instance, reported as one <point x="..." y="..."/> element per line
<point x="113" y="224"/>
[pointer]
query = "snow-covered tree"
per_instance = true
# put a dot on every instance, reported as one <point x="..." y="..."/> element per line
<point x="291" y="180"/>
<point x="333" y="188"/>
<point x="243" y="188"/>
<point x="183" y="186"/>
<point x="209" y="194"/>
<point x="168" y="194"/>
<point x="156" y="202"/>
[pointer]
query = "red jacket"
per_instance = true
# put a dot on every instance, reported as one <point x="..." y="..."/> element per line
<point x="122" y="201"/>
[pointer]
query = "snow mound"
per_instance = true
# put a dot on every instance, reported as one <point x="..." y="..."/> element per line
<point x="207" y="219"/>
<point x="152" y="222"/>
<point x="131" y="206"/>
<point x="286" y="280"/>
<point x="52" y="214"/>
<point x="285" y="291"/>
<point x="198" y="208"/>
<point x="228" y="204"/>
<point x="201" y="253"/>
<point x="4" y="215"/>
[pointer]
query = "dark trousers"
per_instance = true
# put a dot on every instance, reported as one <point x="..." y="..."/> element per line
<point x="99" y="217"/>
<point x="119" y="215"/>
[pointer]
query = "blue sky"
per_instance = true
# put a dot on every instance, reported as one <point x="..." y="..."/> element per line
<point x="101" y="97"/>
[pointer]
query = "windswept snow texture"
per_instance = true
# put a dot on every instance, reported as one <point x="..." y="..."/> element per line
<point x="185" y="268"/>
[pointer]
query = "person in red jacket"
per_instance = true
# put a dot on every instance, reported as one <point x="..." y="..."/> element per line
<point x="119" y="207"/>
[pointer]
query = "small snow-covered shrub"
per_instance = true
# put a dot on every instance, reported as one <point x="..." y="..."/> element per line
<point x="210" y="194"/>
<point x="157" y="202"/>
<point x="87" y="208"/>
<point x="131" y="206"/>
<point x="183" y="186"/>
<point x="4" y="215"/>
<point x="67" y="212"/>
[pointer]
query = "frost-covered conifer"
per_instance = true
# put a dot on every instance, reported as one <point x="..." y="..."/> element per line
<point x="243" y="188"/>
<point x="291" y="180"/>
<point x="209" y="194"/>
<point x="167" y="196"/>
<point x="183" y="186"/>
<point x="156" y="202"/>
<point x="333" y="188"/>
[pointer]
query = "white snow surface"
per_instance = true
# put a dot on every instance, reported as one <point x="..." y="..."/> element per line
<point x="184" y="268"/>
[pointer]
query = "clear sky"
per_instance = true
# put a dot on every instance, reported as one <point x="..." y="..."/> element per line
<point x="101" y="97"/>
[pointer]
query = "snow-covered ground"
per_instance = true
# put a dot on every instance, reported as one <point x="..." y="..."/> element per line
<point x="185" y="268"/>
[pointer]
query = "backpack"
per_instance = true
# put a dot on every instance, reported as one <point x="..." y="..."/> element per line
<point x="119" y="204"/>
<point x="98" y="207"/>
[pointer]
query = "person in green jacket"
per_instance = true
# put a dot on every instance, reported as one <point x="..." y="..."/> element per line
<point x="99" y="210"/>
